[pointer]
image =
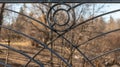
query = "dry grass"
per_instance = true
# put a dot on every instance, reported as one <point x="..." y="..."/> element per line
<point x="24" y="44"/>
<point x="104" y="44"/>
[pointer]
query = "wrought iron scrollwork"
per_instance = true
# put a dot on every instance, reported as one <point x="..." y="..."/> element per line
<point x="63" y="24"/>
<point x="60" y="19"/>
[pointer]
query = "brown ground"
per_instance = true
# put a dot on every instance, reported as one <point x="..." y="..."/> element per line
<point x="18" y="60"/>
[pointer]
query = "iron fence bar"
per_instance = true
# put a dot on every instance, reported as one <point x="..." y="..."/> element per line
<point x="27" y="17"/>
<point x="7" y="65"/>
<point x="74" y="46"/>
<point x="106" y="53"/>
<point x="86" y="21"/>
<point x="72" y="27"/>
<point x="42" y="49"/>
<point x="86" y="58"/>
<point x="39" y="63"/>
<point x="83" y="23"/>
<point x="44" y="45"/>
<point x="76" y="6"/>
<point x="100" y="35"/>
<point x="32" y="19"/>
<point x="95" y="18"/>
<point x="59" y="1"/>
<point x="69" y="9"/>
<point x="68" y="29"/>
<point x="97" y="36"/>
<point x="77" y="49"/>
<point x="33" y="57"/>
<point x="34" y="38"/>
<point x="90" y="19"/>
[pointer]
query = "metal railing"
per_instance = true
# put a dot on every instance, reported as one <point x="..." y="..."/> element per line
<point x="67" y="27"/>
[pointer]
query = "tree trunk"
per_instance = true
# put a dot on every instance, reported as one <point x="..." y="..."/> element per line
<point x="1" y="14"/>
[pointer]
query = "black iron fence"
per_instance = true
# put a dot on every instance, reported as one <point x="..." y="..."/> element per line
<point x="60" y="27"/>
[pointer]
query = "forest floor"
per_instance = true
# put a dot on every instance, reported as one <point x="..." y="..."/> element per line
<point x="15" y="59"/>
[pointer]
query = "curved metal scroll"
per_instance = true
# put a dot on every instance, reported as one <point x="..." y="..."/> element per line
<point x="60" y="28"/>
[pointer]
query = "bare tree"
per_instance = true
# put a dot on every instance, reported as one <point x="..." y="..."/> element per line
<point x="1" y="14"/>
